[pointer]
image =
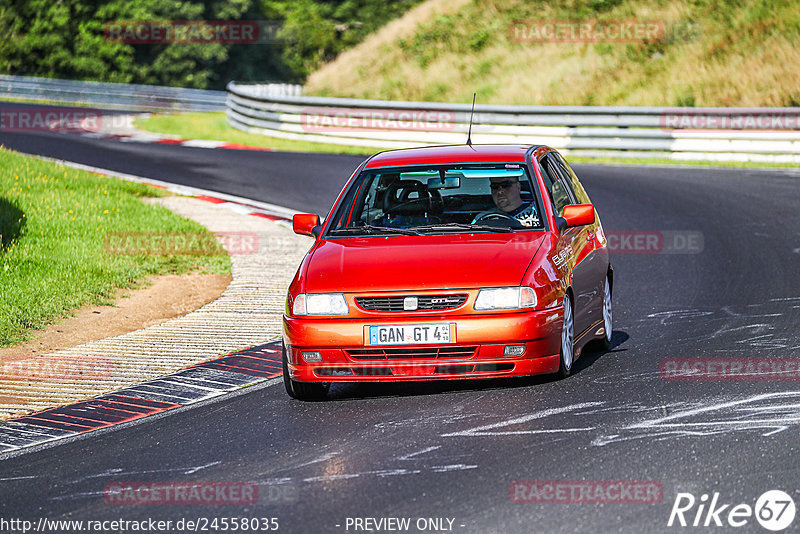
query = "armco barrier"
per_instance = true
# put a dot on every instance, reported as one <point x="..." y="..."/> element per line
<point x="714" y="134"/>
<point x="121" y="96"/>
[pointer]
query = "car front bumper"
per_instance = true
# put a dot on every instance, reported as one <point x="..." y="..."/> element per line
<point x="477" y="351"/>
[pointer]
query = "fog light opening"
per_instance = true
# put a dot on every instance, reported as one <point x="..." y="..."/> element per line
<point x="312" y="356"/>
<point x="513" y="350"/>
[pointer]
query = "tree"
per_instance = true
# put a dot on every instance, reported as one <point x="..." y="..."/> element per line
<point x="65" y="39"/>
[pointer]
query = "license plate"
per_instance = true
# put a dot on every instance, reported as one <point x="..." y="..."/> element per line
<point x="411" y="334"/>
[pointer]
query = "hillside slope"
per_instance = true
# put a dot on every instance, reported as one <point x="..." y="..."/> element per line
<point x="710" y="53"/>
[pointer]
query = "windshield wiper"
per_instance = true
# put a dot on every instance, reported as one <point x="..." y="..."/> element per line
<point x="461" y="226"/>
<point x="370" y="229"/>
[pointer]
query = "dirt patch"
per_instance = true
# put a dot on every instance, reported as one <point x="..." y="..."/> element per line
<point x="167" y="297"/>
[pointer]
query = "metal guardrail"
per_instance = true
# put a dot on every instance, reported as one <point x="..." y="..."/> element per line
<point x="118" y="96"/>
<point x="715" y="134"/>
<point x="121" y="96"/>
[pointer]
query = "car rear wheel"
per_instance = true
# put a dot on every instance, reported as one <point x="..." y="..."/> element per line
<point x="605" y="343"/>
<point x="301" y="390"/>
<point x="567" y="340"/>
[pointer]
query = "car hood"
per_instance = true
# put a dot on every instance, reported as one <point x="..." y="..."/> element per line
<point x="392" y="263"/>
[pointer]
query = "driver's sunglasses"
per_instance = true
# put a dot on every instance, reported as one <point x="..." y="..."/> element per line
<point x="497" y="186"/>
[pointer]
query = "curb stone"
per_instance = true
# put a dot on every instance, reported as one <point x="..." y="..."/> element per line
<point x="243" y="324"/>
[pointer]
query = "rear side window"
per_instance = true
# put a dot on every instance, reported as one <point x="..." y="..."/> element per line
<point x="559" y="194"/>
<point x="577" y="188"/>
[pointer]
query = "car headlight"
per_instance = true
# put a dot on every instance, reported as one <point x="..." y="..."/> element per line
<point x="320" y="304"/>
<point x="505" y="298"/>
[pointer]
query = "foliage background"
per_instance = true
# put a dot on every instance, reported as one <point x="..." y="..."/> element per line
<point x="64" y="39"/>
<point x="713" y="53"/>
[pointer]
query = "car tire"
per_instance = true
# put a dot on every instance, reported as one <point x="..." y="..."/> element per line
<point x="567" y="352"/>
<point x="301" y="390"/>
<point x="608" y="316"/>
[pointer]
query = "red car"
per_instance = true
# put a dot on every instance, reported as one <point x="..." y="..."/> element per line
<point x="444" y="263"/>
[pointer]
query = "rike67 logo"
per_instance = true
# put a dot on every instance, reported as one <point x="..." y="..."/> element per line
<point x="774" y="510"/>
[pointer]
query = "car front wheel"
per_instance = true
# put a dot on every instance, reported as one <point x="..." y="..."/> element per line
<point x="605" y="343"/>
<point x="567" y="340"/>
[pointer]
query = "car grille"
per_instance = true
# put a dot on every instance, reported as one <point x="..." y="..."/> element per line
<point x="432" y="353"/>
<point x="437" y="370"/>
<point x="424" y="302"/>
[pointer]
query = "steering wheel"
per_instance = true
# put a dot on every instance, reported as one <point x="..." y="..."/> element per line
<point x="493" y="215"/>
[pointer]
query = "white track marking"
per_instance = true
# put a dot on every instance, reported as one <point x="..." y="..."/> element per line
<point x="201" y="467"/>
<point x="484" y="430"/>
<point x="423" y="451"/>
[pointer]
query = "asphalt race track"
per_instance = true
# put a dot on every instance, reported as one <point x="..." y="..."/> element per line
<point x="453" y="451"/>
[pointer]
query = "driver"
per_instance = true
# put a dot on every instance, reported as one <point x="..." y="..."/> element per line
<point x="507" y="196"/>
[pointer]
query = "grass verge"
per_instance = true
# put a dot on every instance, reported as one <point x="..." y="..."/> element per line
<point x="215" y="126"/>
<point x="55" y="222"/>
<point x="704" y="53"/>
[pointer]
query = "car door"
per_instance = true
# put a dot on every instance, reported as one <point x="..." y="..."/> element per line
<point x="574" y="240"/>
<point x="593" y="264"/>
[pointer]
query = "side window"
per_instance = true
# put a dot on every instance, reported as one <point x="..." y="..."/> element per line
<point x="347" y="214"/>
<point x="572" y="180"/>
<point x="559" y="195"/>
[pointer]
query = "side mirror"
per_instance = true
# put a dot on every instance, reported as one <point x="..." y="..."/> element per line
<point x="305" y="224"/>
<point x="578" y="214"/>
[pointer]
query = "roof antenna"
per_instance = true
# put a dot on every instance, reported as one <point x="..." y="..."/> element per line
<point x="469" y="134"/>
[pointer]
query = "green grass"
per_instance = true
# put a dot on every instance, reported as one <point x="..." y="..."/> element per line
<point x="214" y="126"/>
<point x="709" y="53"/>
<point x="54" y="222"/>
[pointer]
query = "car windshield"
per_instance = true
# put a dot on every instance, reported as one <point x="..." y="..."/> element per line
<point x="439" y="199"/>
